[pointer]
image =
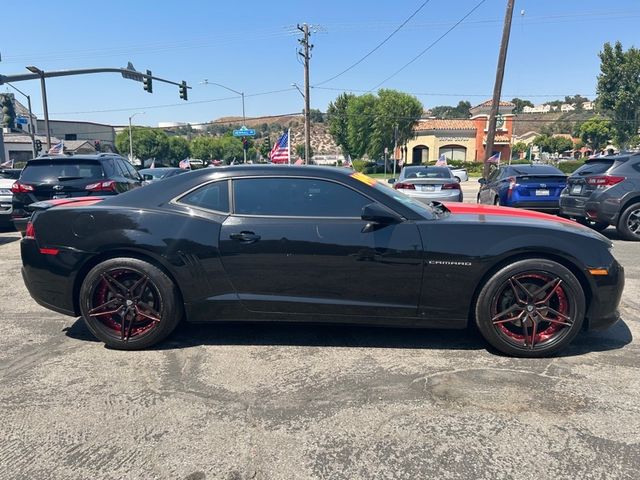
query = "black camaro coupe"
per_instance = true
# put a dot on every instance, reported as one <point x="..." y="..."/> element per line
<point x="312" y="244"/>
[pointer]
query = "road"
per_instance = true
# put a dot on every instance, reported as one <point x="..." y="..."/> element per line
<point x="300" y="402"/>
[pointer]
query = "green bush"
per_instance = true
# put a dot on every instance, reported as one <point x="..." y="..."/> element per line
<point x="358" y="165"/>
<point x="570" y="166"/>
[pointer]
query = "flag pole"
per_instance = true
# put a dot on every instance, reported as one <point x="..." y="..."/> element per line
<point x="289" y="145"/>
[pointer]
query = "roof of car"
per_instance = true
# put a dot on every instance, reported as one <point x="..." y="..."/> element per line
<point x="99" y="156"/>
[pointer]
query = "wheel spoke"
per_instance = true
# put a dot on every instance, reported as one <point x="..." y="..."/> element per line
<point x="142" y="284"/>
<point x="558" y="314"/>
<point x="534" y="331"/>
<point x="515" y="282"/>
<point x="109" y="312"/>
<point x="150" y="313"/>
<point x="112" y="284"/>
<point x="510" y="319"/>
<point x="99" y="307"/>
<point x="525" y="332"/>
<point x="509" y="310"/>
<point x="553" y="284"/>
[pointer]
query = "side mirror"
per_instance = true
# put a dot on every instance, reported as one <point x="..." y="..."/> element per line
<point x="482" y="181"/>
<point x="391" y="180"/>
<point x="376" y="213"/>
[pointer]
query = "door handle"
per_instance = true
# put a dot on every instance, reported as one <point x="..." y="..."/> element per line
<point x="245" y="237"/>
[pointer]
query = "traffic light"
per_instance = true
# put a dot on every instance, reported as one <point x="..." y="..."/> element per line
<point x="183" y="90"/>
<point x="38" y="146"/>
<point x="147" y="82"/>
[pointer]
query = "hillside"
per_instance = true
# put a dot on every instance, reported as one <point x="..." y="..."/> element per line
<point x="560" y="122"/>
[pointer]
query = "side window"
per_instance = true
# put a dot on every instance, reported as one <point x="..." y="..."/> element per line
<point x="214" y="196"/>
<point x="120" y="168"/>
<point x="493" y="175"/>
<point x="296" y="197"/>
<point x="133" y="173"/>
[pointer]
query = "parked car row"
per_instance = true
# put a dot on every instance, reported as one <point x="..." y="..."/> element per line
<point x="603" y="192"/>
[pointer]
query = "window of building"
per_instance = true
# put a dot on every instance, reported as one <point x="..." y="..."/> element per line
<point x="70" y="136"/>
<point x="454" y="152"/>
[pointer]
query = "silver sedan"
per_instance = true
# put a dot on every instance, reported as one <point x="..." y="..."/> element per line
<point x="429" y="184"/>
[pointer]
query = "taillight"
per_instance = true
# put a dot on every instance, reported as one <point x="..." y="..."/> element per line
<point x="106" y="186"/>
<point x="30" y="232"/>
<point x="18" y="187"/>
<point x="605" y="181"/>
<point x="402" y="185"/>
<point x="512" y="184"/>
<point x="451" y="186"/>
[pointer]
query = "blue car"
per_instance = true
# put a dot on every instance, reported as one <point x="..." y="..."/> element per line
<point x="535" y="187"/>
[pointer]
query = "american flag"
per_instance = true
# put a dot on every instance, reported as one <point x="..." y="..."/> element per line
<point x="57" y="149"/>
<point x="7" y="164"/>
<point x="442" y="161"/>
<point x="347" y="161"/>
<point x="184" y="164"/>
<point x="280" y="151"/>
<point x="495" y="158"/>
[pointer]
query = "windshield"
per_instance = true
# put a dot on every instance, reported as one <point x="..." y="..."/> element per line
<point x="592" y="168"/>
<point x="425" y="172"/>
<point x="420" y="208"/>
<point x="60" y="170"/>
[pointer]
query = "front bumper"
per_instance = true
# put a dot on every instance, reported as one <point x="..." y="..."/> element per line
<point x="602" y="310"/>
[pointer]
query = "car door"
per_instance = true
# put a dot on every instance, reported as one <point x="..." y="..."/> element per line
<point x="133" y="177"/>
<point x="299" y="245"/>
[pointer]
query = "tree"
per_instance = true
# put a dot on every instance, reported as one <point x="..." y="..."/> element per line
<point x="147" y="143"/>
<point x="560" y="144"/>
<point x="619" y="90"/>
<point x="299" y="151"/>
<point x="265" y="147"/>
<point x="393" y="109"/>
<point x="543" y="142"/>
<point x="518" y="148"/>
<point x="520" y="104"/>
<point x="205" y="148"/>
<point x="315" y="115"/>
<point x="360" y="116"/>
<point x="596" y="132"/>
<point x="338" y="120"/>
<point x="7" y="111"/>
<point x="448" y="112"/>
<point x="178" y="149"/>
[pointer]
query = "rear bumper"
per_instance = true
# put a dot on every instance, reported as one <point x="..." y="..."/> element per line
<point x="427" y="198"/>
<point x="589" y="208"/>
<point x="543" y="206"/>
<point x="49" y="278"/>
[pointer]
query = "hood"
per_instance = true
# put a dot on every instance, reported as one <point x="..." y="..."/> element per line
<point x="469" y="212"/>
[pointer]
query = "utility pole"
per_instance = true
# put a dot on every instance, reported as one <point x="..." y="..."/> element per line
<point x="395" y="148"/>
<point x="497" y="89"/>
<point x="131" y="138"/>
<point x="306" y="47"/>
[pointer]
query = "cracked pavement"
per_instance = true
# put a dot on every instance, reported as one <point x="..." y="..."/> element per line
<point x="300" y="402"/>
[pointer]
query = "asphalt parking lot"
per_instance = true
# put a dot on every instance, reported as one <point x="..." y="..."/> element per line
<point x="301" y="402"/>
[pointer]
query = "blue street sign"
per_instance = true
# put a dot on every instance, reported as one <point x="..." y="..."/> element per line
<point x="22" y="120"/>
<point x="244" y="132"/>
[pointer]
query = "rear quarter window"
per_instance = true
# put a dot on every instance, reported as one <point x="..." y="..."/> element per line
<point x="593" y="168"/>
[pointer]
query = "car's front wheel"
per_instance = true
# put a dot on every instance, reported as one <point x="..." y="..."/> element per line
<point x="629" y="223"/>
<point x="531" y="308"/>
<point x="129" y="304"/>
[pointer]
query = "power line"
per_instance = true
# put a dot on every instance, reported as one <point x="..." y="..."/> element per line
<point x="514" y="95"/>
<point x="353" y="65"/>
<point x="431" y="45"/>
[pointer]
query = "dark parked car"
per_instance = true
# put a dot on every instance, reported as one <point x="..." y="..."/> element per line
<point x="52" y="177"/>
<point x="150" y="175"/>
<point x="606" y="191"/>
<point x="313" y="244"/>
<point x="535" y="187"/>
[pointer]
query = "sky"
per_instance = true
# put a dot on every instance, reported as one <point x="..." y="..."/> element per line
<point x="252" y="47"/>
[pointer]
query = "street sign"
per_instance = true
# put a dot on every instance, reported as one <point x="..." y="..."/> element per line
<point x="244" y="132"/>
<point x="22" y="120"/>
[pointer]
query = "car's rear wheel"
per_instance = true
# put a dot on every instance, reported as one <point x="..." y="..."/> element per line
<point x="531" y="308"/>
<point x="629" y="223"/>
<point x="129" y="304"/>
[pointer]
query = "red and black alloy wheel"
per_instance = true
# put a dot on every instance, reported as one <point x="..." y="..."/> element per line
<point x="128" y="303"/>
<point x="531" y="308"/>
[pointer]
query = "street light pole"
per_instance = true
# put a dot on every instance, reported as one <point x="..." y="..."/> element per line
<point x="45" y="106"/>
<point x="131" y="137"/>
<point x="31" y="129"/>
<point x="244" y="118"/>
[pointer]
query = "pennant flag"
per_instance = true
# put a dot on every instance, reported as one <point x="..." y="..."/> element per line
<point x="57" y="149"/>
<point x="280" y="151"/>
<point x="184" y="164"/>
<point x="442" y="161"/>
<point x="495" y="158"/>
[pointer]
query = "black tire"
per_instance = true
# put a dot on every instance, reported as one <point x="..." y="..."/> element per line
<point x="557" y="318"/>
<point x="129" y="304"/>
<point x="597" y="226"/>
<point x="458" y="179"/>
<point x="496" y="201"/>
<point x="629" y="224"/>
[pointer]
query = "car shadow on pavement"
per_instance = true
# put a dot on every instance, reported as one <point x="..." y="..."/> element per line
<point x="313" y="335"/>
<point x="4" y="238"/>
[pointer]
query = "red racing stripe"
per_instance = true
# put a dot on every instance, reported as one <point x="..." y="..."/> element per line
<point x="473" y="209"/>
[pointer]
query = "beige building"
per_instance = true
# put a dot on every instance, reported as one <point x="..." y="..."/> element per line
<point x="455" y="138"/>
